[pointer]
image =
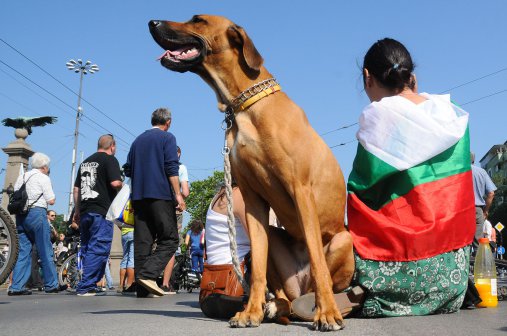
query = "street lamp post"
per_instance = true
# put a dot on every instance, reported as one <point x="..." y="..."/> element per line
<point x="83" y="69"/>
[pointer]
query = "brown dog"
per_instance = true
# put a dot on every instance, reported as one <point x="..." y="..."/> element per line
<point x="278" y="161"/>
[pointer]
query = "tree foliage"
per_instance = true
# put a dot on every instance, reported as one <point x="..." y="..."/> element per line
<point x="60" y="224"/>
<point x="201" y="194"/>
<point x="499" y="214"/>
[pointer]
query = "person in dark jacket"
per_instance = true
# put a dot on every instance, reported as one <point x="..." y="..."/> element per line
<point x="152" y="165"/>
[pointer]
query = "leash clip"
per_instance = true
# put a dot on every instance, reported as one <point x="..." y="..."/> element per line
<point x="229" y="118"/>
<point x="226" y="150"/>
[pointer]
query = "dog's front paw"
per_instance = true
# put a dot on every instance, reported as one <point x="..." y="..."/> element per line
<point x="328" y="321"/>
<point x="247" y="318"/>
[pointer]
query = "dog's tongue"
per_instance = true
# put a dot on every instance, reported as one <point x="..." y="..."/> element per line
<point x="171" y="52"/>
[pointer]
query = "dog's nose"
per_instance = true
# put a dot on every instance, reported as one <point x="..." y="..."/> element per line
<point x="154" y="23"/>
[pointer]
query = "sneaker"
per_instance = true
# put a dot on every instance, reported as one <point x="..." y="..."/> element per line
<point x="151" y="286"/>
<point x="151" y="296"/>
<point x="168" y="290"/>
<point x="21" y="292"/>
<point x="58" y="289"/>
<point x="92" y="292"/>
<point x="131" y="290"/>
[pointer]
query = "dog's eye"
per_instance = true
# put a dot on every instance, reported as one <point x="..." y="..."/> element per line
<point x="196" y="19"/>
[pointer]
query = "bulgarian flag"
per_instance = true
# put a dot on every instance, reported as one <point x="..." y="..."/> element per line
<point x="410" y="193"/>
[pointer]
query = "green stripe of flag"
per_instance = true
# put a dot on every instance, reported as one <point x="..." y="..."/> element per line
<point x="377" y="183"/>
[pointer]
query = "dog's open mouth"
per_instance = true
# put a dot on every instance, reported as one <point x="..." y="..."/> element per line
<point x="183" y="50"/>
<point x="187" y="53"/>
<point x="180" y="56"/>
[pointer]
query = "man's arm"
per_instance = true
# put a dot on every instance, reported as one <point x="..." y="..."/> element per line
<point x="185" y="190"/>
<point x="77" y="202"/>
<point x="47" y="191"/>
<point x="489" y="201"/>
<point x="114" y="173"/>
<point x="174" y="181"/>
<point x="116" y="184"/>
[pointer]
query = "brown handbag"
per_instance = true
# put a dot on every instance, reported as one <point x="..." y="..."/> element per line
<point x="220" y="279"/>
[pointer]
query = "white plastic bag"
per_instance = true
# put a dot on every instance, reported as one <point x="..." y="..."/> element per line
<point x="115" y="212"/>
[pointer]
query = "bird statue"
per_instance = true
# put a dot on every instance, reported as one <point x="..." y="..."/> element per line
<point x="28" y="122"/>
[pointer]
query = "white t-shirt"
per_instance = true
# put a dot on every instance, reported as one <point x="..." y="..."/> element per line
<point x="487" y="228"/>
<point x="38" y="183"/>
<point x="218" y="248"/>
<point x="183" y="173"/>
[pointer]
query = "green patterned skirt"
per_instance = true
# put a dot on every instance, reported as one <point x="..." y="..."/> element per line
<point x="434" y="285"/>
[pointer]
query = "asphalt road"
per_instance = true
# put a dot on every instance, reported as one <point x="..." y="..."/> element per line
<point x="66" y="314"/>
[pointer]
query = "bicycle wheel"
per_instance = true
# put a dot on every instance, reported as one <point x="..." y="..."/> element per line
<point x="9" y="247"/>
<point x="68" y="272"/>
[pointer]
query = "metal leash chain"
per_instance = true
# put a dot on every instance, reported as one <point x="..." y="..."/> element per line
<point x="227" y="124"/>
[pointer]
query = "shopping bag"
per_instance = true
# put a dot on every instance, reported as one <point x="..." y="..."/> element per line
<point x="121" y="212"/>
<point x="127" y="215"/>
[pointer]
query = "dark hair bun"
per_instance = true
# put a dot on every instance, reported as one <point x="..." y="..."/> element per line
<point x="390" y="63"/>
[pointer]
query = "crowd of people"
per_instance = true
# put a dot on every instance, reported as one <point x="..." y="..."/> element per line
<point x="413" y="179"/>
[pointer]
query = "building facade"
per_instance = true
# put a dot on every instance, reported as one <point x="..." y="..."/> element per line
<point x="495" y="164"/>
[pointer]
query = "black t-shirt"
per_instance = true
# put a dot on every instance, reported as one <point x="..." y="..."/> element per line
<point x="94" y="179"/>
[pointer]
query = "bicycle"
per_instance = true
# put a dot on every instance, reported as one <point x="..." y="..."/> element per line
<point x="183" y="278"/>
<point x="9" y="247"/>
<point x="70" y="272"/>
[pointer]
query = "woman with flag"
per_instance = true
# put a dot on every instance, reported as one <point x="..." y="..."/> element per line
<point x="410" y="198"/>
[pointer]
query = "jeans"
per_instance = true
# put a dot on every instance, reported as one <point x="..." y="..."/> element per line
<point x="197" y="260"/>
<point x="33" y="228"/>
<point x="96" y="238"/>
<point x="109" y="278"/>
<point x="127" y="241"/>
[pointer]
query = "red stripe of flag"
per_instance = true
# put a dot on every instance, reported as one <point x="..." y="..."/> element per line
<point x="409" y="227"/>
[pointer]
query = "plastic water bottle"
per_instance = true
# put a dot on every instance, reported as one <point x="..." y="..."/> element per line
<point x="485" y="275"/>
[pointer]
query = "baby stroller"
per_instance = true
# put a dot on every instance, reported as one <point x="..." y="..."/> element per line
<point x="183" y="278"/>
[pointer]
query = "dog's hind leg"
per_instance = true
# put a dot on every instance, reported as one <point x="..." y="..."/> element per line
<point x="340" y="260"/>
<point x="277" y="309"/>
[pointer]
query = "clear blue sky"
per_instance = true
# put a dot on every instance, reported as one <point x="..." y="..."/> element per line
<point x="313" y="48"/>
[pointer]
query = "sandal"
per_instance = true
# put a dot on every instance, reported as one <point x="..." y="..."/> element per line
<point x="348" y="301"/>
<point x="221" y="306"/>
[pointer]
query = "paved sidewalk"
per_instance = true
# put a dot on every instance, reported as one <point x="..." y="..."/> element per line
<point x="65" y="314"/>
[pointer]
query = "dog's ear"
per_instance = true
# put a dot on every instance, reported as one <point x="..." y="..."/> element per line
<point x="252" y="57"/>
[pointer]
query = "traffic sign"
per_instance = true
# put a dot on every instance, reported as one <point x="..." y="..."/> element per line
<point x="499" y="227"/>
<point x="500" y="250"/>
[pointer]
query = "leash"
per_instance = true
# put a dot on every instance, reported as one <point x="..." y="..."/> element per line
<point x="244" y="100"/>
<point x="227" y="124"/>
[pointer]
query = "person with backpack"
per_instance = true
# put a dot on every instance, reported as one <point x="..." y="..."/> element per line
<point x="33" y="192"/>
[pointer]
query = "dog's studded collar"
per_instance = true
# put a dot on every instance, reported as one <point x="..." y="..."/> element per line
<point x="253" y="94"/>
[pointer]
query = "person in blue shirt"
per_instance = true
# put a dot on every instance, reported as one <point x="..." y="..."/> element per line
<point x="484" y="192"/>
<point x="194" y="241"/>
<point x="152" y="165"/>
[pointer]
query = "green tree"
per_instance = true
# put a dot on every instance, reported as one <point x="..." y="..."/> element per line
<point x="59" y="224"/>
<point x="201" y="194"/>
<point x="499" y="214"/>
<point x="498" y="179"/>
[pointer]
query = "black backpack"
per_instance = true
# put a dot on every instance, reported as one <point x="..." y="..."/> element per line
<point x="18" y="201"/>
